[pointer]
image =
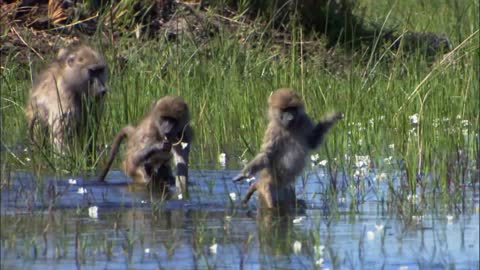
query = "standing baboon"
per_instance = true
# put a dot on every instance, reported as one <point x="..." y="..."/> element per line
<point x="289" y="137"/>
<point x="67" y="93"/>
<point x="165" y="129"/>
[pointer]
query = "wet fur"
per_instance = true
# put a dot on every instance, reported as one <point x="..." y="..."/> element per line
<point x="284" y="151"/>
<point x="149" y="152"/>
<point x="60" y="95"/>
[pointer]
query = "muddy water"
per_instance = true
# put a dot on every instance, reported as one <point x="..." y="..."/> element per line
<point x="46" y="224"/>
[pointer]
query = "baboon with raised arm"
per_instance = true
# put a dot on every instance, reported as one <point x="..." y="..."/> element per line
<point x="68" y="93"/>
<point x="162" y="134"/>
<point x="289" y="137"/>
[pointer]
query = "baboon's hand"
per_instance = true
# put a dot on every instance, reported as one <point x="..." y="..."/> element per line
<point x="239" y="177"/>
<point x="166" y="146"/>
<point x="332" y="117"/>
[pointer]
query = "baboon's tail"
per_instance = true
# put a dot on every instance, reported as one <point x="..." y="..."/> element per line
<point x="124" y="132"/>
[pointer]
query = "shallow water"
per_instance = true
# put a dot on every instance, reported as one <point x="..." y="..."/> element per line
<point x="137" y="230"/>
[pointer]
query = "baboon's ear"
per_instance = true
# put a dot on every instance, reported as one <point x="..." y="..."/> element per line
<point x="153" y="104"/>
<point x="71" y="60"/>
<point x="62" y="53"/>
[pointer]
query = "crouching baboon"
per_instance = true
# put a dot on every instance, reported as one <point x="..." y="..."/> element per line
<point x="289" y="137"/>
<point x="163" y="131"/>
<point x="67" y="94"/>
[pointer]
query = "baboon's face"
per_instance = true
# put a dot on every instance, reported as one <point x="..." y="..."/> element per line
<point x="285" y="107"/>
<point x="171" y="114"/>
<point x="169" y="127"/>
<point x="86" y="72"/>
<point x="288" y="117"/>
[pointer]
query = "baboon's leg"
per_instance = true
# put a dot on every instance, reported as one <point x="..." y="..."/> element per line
<point x="250" y="192"/>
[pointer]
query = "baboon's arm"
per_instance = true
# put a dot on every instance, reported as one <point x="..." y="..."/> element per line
<point x="260" y="161"/>
<point x="315" y="137"/>
<point x="250" y="192"/>
<point x="146" y="153"/>
<point x="181" y="153"/>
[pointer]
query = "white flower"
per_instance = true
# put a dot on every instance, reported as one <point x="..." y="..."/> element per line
<point x="413" y="119"/>
<point x="184" y="145"/>
<point x="391" y="146"/>
<point x="93" y="211"/>
<point x="323" y="163"/>
<point x="298" y="220"/>
<point x="370" y="235"/>
<point x="319" y="262"/>
<point x="147" y="250"/>
<point x="361" y="172"/>
<point x="436" y="122"/>
<point x="341" y="200"/>
<point x="233" y="196"/>
<point x="82" y="190"/>
<point x="371" y="122"/>
<point x="318" y="250"/>
<point x="362" y="161"/>
<point x="315" y="158"/>
<point x="445" y="119"/>
<point x="449" y="218"/>
<point x="143" y="202"/>
<point x="180" y="196"/>
<point x="459" y="117"/>
<point x="213" y="248"/>
<point x="250" y="179"/>
<point x="382" y="117"/>
<point x="465" y="123"/>
<point x="412" y="198"/>
<point x="379" y="227"/>
<point x="417" y="219"/>
<point x="27" y="159"/>
<point x="297" y="247"/>
<point x="222" y="159"/>
<point x="382" y="176"/>
<point x="72" y="181"/>
<point x="388" y="160"/>
<point x="360" y="142"/>
<point x="228" y="218"/>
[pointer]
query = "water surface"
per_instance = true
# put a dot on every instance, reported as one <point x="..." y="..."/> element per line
<point x="46" y="224"/>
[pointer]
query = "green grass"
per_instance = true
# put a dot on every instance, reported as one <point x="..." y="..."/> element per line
<point x="226" y="83"/>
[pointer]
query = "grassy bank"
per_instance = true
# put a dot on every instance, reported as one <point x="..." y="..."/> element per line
<point x="422" y="114"/>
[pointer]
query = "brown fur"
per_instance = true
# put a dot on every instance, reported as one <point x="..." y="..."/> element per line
<point x="60" y="95"/>
<point x="150" y="148"/>
<point x="290" y="135"/>
<point x="283" y="98"/>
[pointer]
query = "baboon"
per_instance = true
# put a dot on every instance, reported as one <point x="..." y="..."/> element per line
<point x="68" y="92"/>
<point x="289" y="137"/>
<point x="163" y="131"/>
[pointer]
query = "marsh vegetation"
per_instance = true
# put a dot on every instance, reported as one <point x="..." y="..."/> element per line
<point x="395" y="184"/>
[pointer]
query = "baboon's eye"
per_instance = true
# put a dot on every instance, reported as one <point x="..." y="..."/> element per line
<point x="168" y="124"/>
<point x="96" y="71"/>
<point x="291" y="110"/>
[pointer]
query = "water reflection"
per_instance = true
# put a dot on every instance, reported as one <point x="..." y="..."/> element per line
<point x="50" y="228"/>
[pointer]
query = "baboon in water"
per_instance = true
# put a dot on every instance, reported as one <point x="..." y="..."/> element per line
<point x="163" y="131"/>
<point x="289" y="137"/>
<point x="67" y="93"/>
